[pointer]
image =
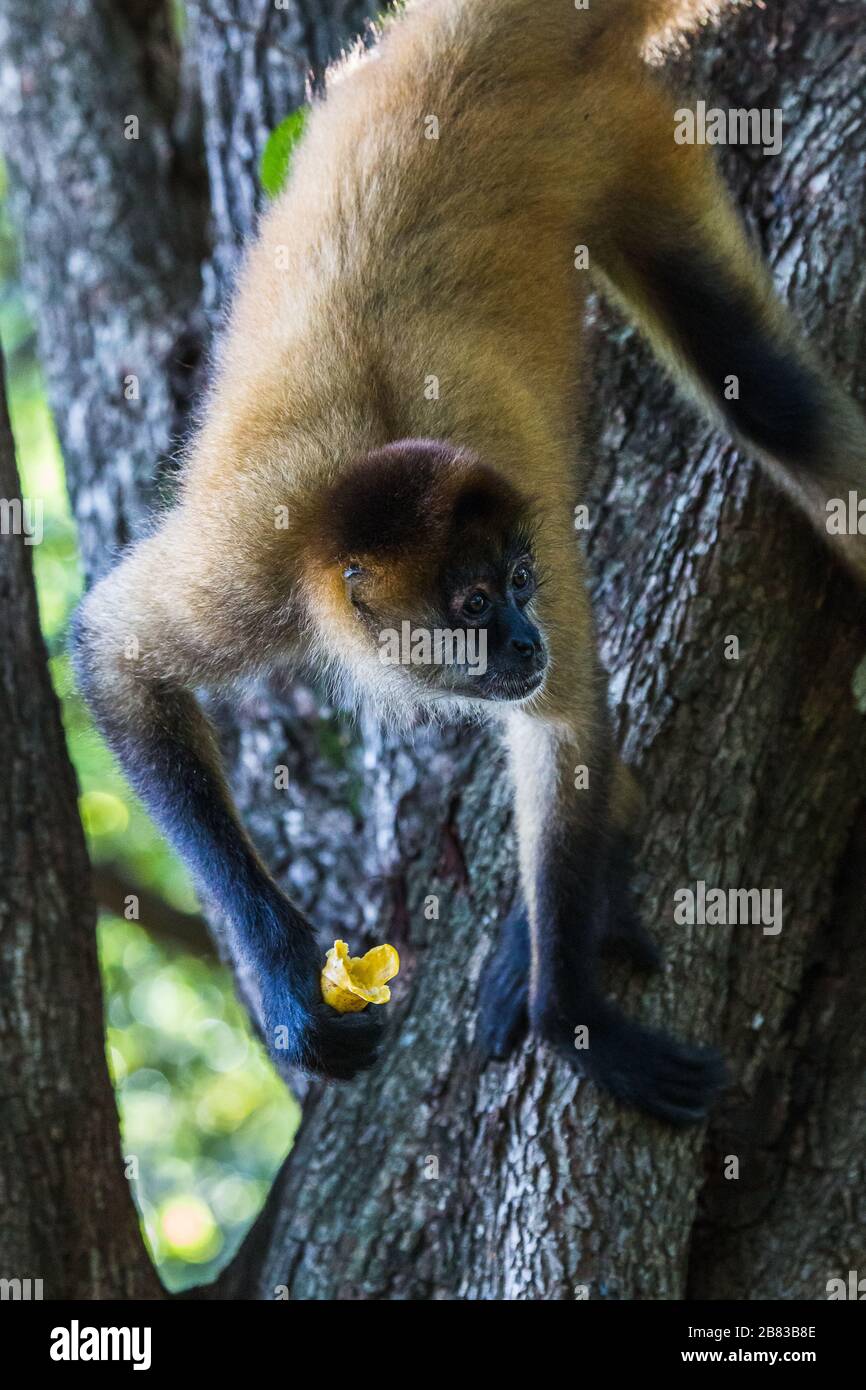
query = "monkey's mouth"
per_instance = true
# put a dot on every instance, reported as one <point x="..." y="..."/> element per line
<point x="511" y="688"/>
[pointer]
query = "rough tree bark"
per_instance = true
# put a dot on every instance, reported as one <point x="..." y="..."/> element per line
<point x="752" y="768"/>
<point x="58" y="1123"/>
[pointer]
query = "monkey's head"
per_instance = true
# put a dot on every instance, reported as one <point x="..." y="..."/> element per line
<point x="424" y="577"/>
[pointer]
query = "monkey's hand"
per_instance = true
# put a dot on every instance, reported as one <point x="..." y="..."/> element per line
<point x="638" y="1066"/>
<point x="301" y="1028"/>
<point x="338" y="1046"/>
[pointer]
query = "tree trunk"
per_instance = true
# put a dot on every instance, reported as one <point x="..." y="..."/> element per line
<point x="58" y="1123"/>
<point x="429" y="1179"/>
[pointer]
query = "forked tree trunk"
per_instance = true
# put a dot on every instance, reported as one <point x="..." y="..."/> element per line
<point x="429" y="1179"/>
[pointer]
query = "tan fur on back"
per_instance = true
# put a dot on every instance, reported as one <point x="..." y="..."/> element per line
<point x="391" y="259"/>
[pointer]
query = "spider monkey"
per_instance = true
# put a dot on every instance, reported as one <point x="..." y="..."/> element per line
<point x="391" y="261"/>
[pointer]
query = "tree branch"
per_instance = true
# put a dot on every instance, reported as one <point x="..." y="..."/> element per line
<point x="179" y="931"/>
<point x="68" y="1218"/>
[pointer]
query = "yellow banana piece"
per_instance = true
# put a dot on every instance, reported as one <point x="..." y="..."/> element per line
<point x="350" y="983"/>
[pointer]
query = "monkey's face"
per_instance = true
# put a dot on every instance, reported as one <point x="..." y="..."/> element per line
<point x="491" y="601"/>
<point x="427" y="578"/>
<point x="465" y="631"/>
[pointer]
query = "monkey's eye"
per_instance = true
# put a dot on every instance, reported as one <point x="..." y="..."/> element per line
<point x="352" y="570"/>
<point x="476" y="604"/>
<point x="522" y="577"/>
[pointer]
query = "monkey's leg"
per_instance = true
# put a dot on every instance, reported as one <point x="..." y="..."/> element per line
<point x="686" y="273"/>
<point x="503" y="1018"/>
<point x="624" y="933"/>
<point x="565" y="861"/>
<point x="135" y="663"/>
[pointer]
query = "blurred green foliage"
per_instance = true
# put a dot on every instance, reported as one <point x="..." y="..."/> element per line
<point x="205" y="1121"/>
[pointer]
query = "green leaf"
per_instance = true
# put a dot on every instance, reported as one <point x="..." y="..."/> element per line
<point x="277" y="154"/>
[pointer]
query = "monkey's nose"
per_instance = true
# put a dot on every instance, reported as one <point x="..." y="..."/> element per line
<point x="523" y="648"/>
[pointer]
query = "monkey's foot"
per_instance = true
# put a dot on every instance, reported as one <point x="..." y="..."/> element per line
<point x="503" y="1020"/>
<point x="638" y="1066"/>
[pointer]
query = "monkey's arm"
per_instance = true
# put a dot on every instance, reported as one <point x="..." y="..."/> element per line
<point x="137" y="661"/>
